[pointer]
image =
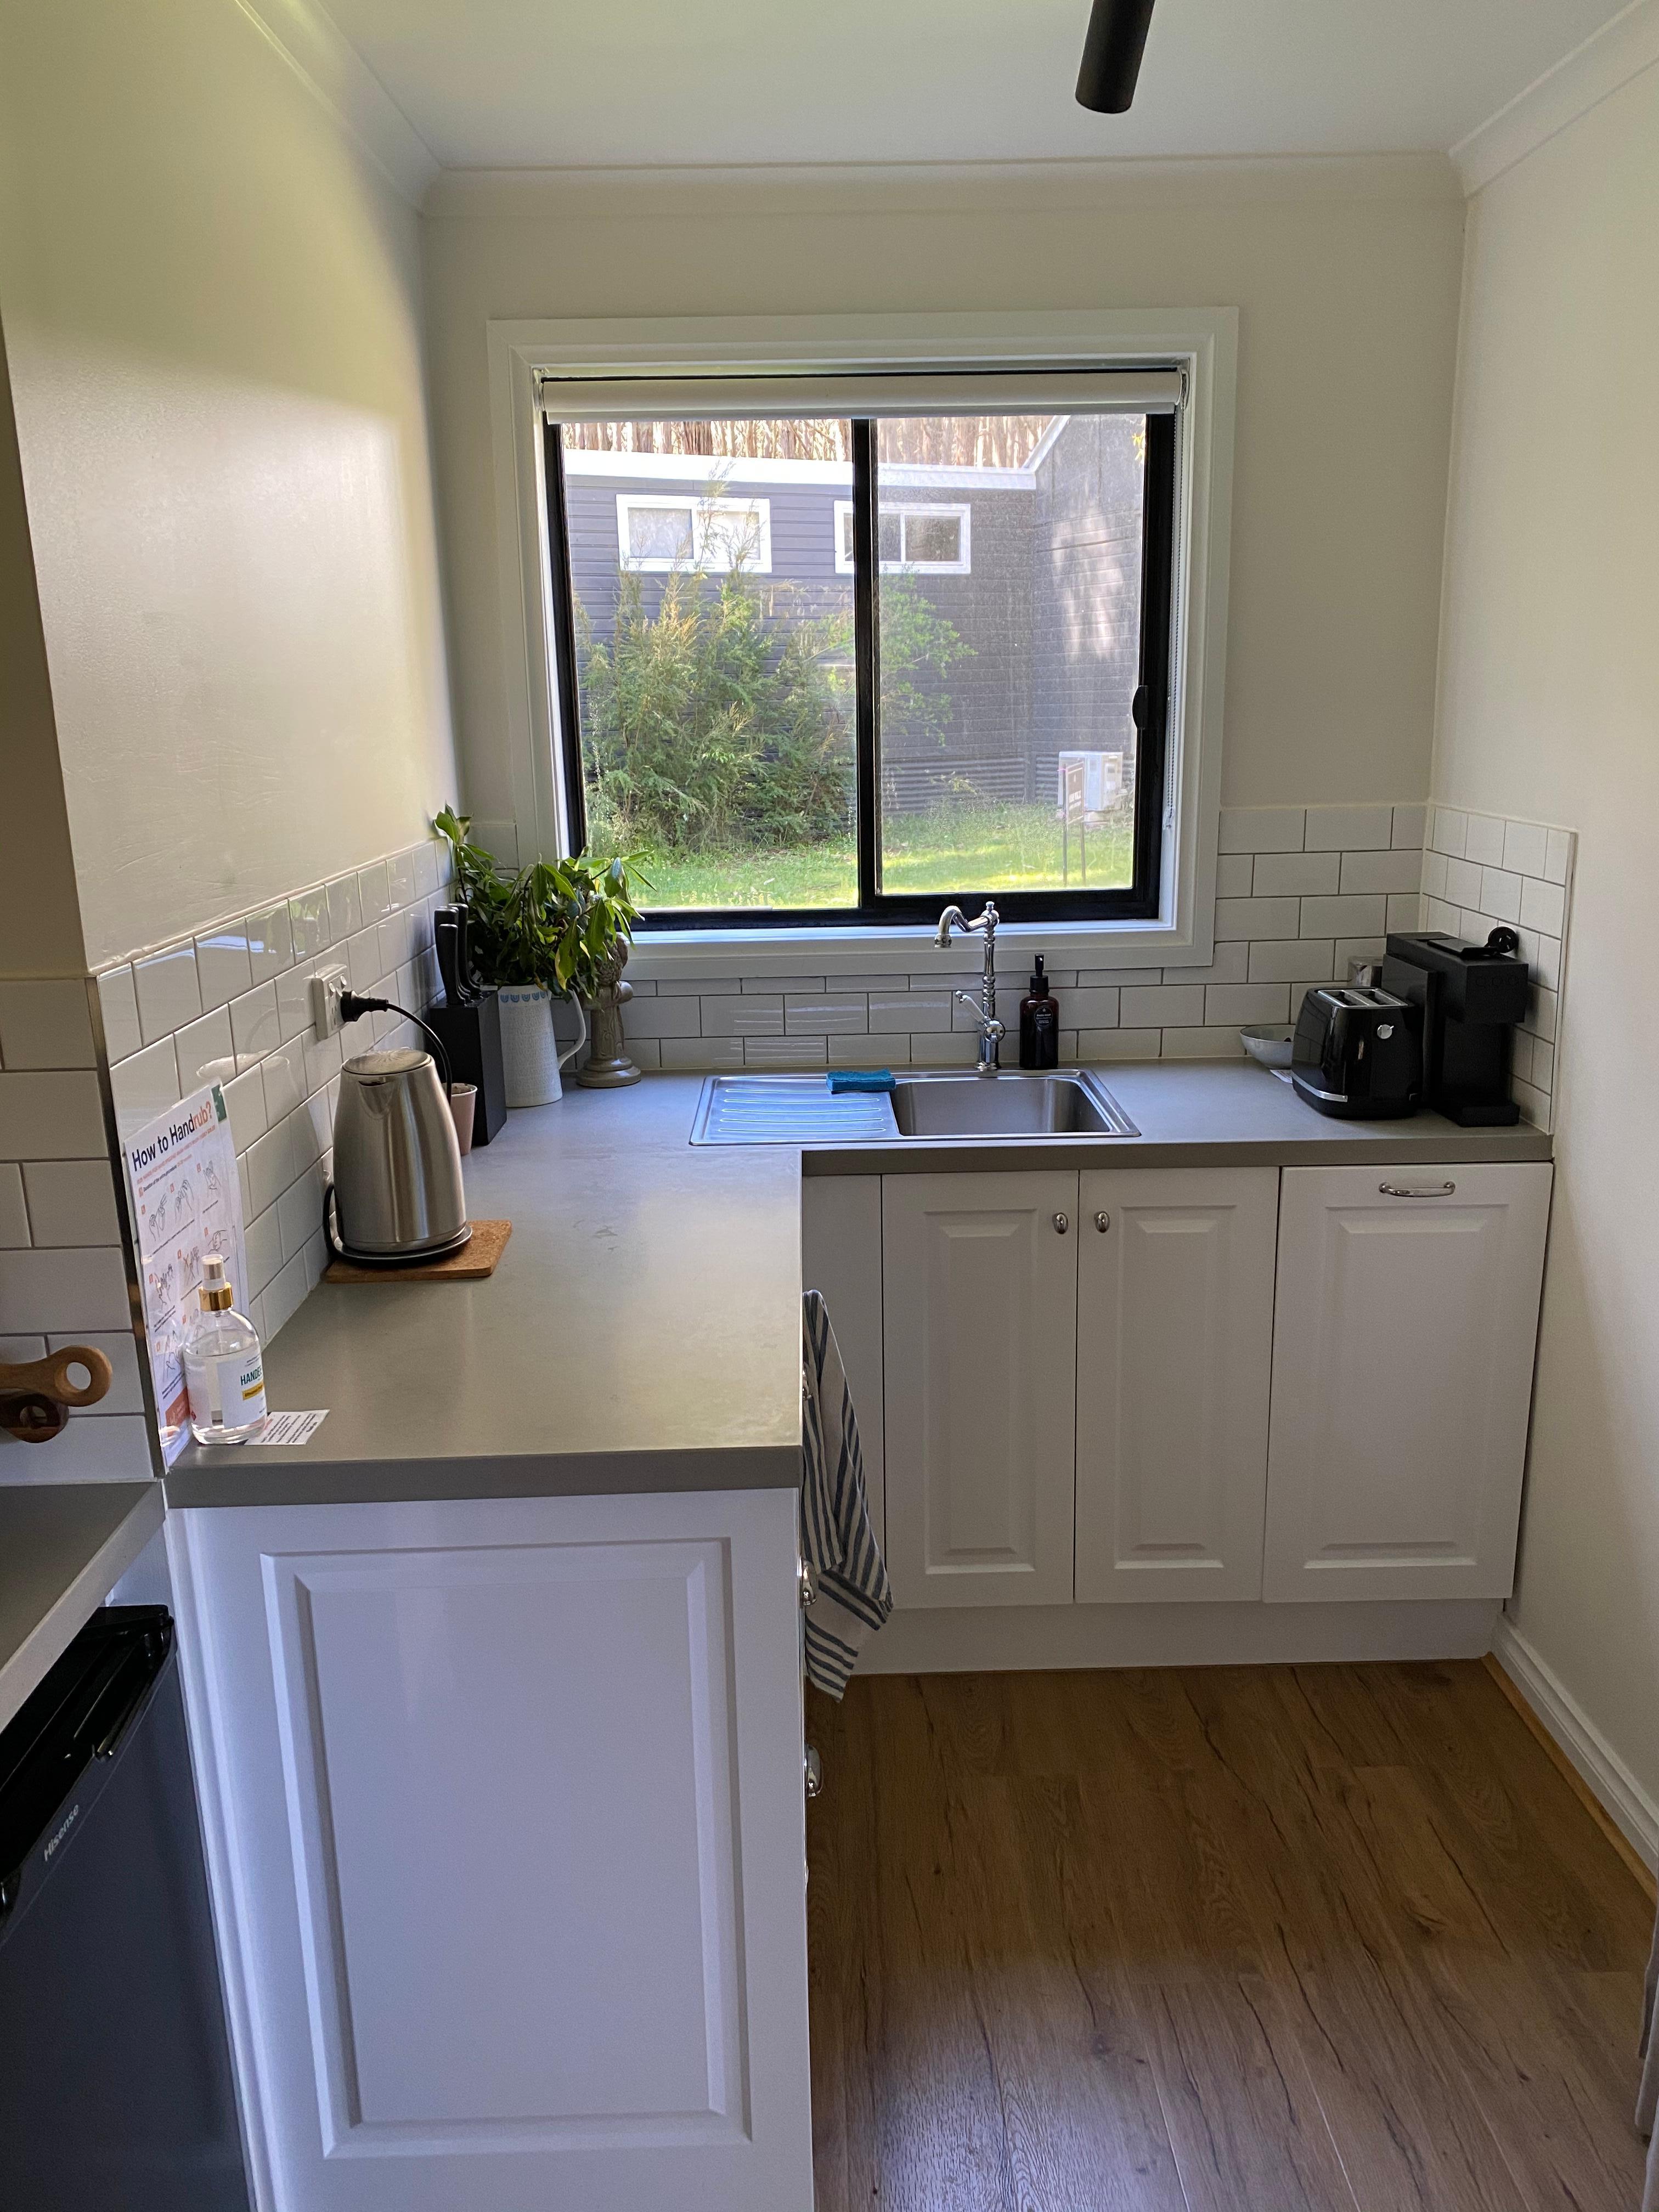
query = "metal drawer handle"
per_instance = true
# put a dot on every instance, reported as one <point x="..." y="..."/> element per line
<point x="1103" y="1222"/>
<point x="1399" y="1190"/>
<point x="809" y="1586"/>
<point x="813" y="1772"/>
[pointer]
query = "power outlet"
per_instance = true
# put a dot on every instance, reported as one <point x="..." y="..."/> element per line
<point x="326" y="986"/>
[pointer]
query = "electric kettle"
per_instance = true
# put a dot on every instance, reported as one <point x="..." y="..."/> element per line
<point x="396" y="1197"/>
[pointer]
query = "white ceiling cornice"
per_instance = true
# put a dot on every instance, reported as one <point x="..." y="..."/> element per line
<point x="923" y="187"/>
<point x="1620" y="51"/>
<point x="332" y="69"/>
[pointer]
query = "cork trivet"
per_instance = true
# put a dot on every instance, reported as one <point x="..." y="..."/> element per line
<point x="476" y="1258"/>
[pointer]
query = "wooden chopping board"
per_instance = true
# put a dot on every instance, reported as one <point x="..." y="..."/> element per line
<point x="476" y="1258"/>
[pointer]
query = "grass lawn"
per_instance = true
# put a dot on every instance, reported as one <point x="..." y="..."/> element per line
<point x="963" y="850"/>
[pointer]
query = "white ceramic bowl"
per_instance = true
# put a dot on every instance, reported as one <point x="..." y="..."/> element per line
<point x="1270" y="1043"/>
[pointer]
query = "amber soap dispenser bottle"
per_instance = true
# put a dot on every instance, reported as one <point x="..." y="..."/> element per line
<point x="1039" y="1024"/>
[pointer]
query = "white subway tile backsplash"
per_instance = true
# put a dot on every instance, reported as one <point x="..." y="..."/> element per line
<point x="868" y="1051"/>
<point x="1300" y="960"/>
<point x="1119" y="1044"/>
<point x="1258" y="917"/>
<point x="1097" y="1008"/>
<point x="693" y="987"/>
<point x="294" y="1001"/>
<point x="63" y="1290"/>
<point x="345" y="909"/>
<point x="1526" y="847"/>
<point x="1410" y="827"/>
<point x="431" y="868"/>
<point x="702" y="1052"/>
<point x="402" y="886"/>
<point x="1449" y="831"/>
<point x="661" y="1017"/>
<point x="1234" y="872"/>
<point x="1434" y="875"/>
<point x="118" y="1001"/>
<point x="270" y="941"/>
<point x="283" y="1074"/>
<point x="71" y="1202"/>
<point x="1543" y="906"/>
<point x="1348" y="829"/>
<point x="125" y="1394"/>
<point x="253" y="1024"/>
<point x="14" y="1212"/>
<point x="743" y="1016"/>
<point x="244" y="1097"/>
<point x="825" y="1013"/>
<point x="1231" y="963"/>
<point x="1462" y="884"/>
<point x="269" y="1168"/>
<point x="781" y="985"/>
<point x="1296" y="873"/>
<point x="1168" y="1005"/>
<point x="785" y="1052"/>
<point x="224" y="964"/>
<point x="46" y="1024"/>
<point x="916" y="1011"/>
<point x="1356" y="915"/>
<point x="1393" y="870"/>
<point x="201" y="1046"/>
<point x="1261" y="829"/>
<point x="168" y="993"/>
<point x="1542" y="1014"/>
<point x="1404" y="910"/>
<point x="1483" y="843"/>
<point x="307" y="912"/>
<point x="143" y="1086"/>
<point x="1350" y="949"/>
<point x="1089" y="979"/>
<point x="50" y="1114"/>
<point x="373" y="893"/>
<point x="1543" y="1065"/>
<point x="1245" y="1003"/>
<point x="1557" y="855"/>
<point x="1500" y="894"/>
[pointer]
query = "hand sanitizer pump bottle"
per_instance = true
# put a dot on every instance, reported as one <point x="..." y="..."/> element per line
<point x="224" y="1367"/>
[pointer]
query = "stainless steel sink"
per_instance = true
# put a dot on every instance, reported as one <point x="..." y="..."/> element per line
<point x="801" y="1110"/>
<point x="1008" y="1105"/>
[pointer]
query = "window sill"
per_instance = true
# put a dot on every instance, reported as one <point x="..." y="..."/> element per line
<point x="890" y="950"/>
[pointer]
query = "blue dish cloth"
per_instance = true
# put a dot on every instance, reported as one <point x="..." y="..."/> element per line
<point x="861" y="1079"/>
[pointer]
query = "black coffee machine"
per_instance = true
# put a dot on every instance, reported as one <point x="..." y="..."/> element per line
<point x="1472" y="997"/>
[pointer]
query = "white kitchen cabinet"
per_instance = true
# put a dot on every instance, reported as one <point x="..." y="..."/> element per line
<point x="505" y="1811"/>
<point x="980" y="1351"/>
<point x="1406" y="1325"/>
<point x="1175" y="1347"/>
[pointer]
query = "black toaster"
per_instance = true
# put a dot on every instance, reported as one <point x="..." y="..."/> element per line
<point x="1358" y="1052"/>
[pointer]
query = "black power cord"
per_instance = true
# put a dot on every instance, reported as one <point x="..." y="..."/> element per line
<point x="353" y="1008"/>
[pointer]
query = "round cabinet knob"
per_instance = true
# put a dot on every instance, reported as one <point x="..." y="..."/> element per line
<point x="1103" y="1222"/>
<point x="1062" y="1223"/>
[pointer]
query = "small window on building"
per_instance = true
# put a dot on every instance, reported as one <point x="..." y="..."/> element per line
<point x="715" y="531"/>
<point x="929" y="541"/>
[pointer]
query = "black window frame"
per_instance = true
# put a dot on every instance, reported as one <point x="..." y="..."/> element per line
<point x="1139" y="900"/>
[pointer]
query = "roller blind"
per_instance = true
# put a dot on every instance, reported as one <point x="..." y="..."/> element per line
<point x="1105" y="391"/>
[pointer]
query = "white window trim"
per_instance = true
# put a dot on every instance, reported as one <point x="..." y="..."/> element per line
<point x="700" y="508"/>
<point x="1203" y="341"/>
<point x="964" y="515"/>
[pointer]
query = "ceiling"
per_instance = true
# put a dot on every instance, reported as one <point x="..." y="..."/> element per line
<point x="534" y="83"/>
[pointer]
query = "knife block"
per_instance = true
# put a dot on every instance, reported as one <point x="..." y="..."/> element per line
<point x="471" y="1033"/>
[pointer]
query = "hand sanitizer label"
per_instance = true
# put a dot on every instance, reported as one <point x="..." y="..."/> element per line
<point x="235" y="1389"/>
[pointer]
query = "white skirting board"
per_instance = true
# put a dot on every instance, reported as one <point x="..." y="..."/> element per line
<point x="927" y="1640"/>
<point x="1622" y="1797"/>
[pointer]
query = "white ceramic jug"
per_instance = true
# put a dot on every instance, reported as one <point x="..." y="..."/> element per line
<point x="531" y="1059"/>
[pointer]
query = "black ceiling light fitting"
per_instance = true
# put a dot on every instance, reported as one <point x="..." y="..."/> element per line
<point x="1112" y="55"/>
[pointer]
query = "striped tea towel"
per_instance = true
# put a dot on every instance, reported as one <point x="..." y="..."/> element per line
<point x="854" y="1596"/>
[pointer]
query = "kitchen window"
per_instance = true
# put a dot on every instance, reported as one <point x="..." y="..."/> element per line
<point x="928" y="540"/>
<point x="823" y="668"/>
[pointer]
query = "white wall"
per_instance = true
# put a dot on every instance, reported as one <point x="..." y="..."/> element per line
<point x="1550" y="709"/>
<point x="40" y="915"/>
<point x="212" y="308"/>
<point x="1346" y="274"/>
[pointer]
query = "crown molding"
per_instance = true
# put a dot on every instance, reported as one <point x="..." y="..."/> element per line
<point x="335" y="73"/>
<point x="1609" y="59"/>
<point x="936" y="187"/>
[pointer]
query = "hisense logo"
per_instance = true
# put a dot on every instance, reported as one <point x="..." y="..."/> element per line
<point x="65" y="1825"/>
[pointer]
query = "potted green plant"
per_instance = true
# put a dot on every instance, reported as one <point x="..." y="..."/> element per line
<point x="556" y="928"/>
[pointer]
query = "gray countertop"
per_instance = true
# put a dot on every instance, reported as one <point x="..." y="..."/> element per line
<point x="63" y="1546"/>
<point x="642" y="1329"/>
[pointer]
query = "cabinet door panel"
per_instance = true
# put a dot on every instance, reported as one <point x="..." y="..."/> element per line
<point x="980" y="1301"/>
<point x="513" y="1796"/>
<point x="1403" y="1379"/>
<point x="1174" y="1345"/>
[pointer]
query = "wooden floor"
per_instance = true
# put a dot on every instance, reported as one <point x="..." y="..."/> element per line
<point x="1217" y="1938"/>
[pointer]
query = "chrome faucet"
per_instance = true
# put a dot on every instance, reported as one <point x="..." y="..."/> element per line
<point x="990" y="1028"/>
